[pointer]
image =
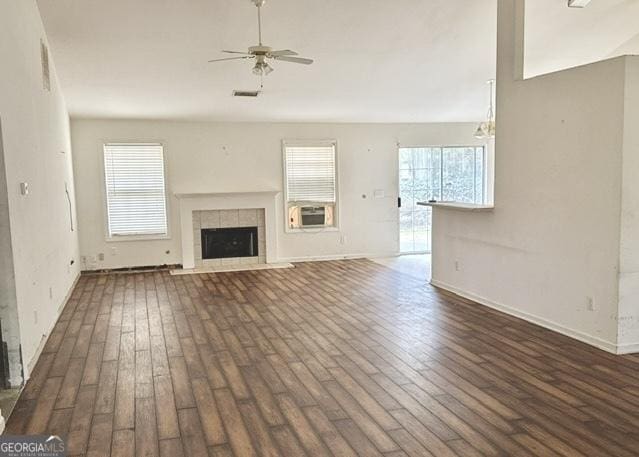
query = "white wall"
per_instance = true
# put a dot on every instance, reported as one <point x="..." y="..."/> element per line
<point x="552" y="242"/>
<point x="8" y="301"/>
<point x="228" y="157"/>
<point x="629" y="250"/>
<point x="36" y="150"/>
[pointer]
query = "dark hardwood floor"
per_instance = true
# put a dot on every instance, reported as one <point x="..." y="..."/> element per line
<point x="336" y="358"/>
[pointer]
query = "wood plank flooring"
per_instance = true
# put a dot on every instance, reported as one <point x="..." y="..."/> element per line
<point x="344" y="358"/>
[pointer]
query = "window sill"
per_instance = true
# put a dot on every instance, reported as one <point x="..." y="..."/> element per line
<point x="458" y="206"/>
<point x="124" y="238"/>
<point x="312" y="230"/>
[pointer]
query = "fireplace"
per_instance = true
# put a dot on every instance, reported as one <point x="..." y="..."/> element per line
<point x="211" y="210"/>
<point x="229" y="237"/>
<point x="226" y="243"/>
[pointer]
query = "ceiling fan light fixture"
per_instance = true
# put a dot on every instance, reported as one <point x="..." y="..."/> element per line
<point x="267" y="69"/>
<point x="262" y="69"/>
<point x="260" y="53"/>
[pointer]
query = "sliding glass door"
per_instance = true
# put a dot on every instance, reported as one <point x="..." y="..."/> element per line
<point x="435" y="173"/>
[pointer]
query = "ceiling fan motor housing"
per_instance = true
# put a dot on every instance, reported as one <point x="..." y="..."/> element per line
<point x="259" y="3"/>
<point x="260" y="50"/>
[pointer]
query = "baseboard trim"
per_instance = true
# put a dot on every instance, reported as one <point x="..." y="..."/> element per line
<point x="231" y="268"/>
<point x="135" y="269"/>
<point x="321" y="258"/>
<point x="31" y="364"/>
<point x="566" y="331"/>
<point x="628" y="348"/>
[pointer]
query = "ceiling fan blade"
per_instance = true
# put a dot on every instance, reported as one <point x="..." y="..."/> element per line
<point x="283" y="52"/>
<point x="230" y="58"/>
<point x="238" y="52"/>
<point x="301" y="60"/>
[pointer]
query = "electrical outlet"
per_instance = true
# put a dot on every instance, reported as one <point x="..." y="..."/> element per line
<point x="342" y="239"/>
<point x="114" y="251"/>
<point x="101" y="257"/>
<point x="590" y="304"/>
<point x="457" y="265"/>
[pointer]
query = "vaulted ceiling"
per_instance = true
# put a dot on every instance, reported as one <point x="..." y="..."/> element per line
<point x="375" y="61"/>
<point x="558" y="37"/>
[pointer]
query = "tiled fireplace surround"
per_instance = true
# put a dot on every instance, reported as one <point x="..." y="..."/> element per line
<point x="228" y="218"/>
<point x="227" y="205"/>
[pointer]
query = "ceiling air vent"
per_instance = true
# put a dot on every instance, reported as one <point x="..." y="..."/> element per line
<point x="578" y="3"/>
<point x="246" y="93"/>
<point x="44" y="58"/>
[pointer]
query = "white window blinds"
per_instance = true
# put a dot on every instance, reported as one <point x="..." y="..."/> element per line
<point x="135" y="192"/>
<point x="310" y="173"/>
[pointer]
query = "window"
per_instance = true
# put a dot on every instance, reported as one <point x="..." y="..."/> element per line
<point x="310" y="184"/>
<point x="135" y="192"/>
<point x="436" y="173"/>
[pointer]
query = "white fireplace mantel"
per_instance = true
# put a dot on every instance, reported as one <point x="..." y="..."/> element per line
<point x="187" y="195"/>
<point x="206" y="201"/>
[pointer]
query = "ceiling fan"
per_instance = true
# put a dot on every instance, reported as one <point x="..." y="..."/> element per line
<point x="261" y="54"/>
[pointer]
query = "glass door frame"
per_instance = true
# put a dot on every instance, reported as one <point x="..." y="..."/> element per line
<point x="485" y="184"/>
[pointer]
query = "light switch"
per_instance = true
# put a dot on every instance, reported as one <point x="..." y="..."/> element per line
<point x="24" y="188"/>
<point x="379" y="193"/>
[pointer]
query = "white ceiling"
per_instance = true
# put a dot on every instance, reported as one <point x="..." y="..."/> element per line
<point x="375" y="61"/>
<point x="558" y="37"/>
<point x="399" y="60"/>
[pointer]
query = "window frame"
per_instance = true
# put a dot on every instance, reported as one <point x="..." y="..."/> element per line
<point x="487" y="198"/>
<point x="484" y="189"/>
<point x="336" y="214"/>
<point x="105" y="208"/>
<point x="487" y="176"/>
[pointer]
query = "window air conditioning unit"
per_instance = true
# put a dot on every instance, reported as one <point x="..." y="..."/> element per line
<point x="313" y="216"/>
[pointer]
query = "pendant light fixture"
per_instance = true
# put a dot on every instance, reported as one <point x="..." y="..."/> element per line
<point x="486" y="130"/>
